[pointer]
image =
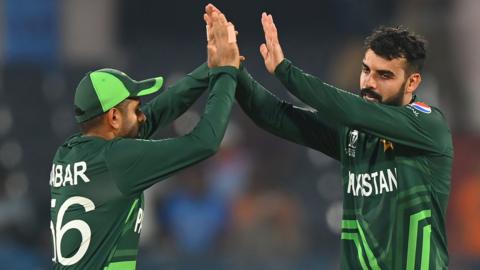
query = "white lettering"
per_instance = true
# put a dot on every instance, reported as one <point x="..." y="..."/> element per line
<point x="80" y="169"/>
<point x="351" y="183"/>
<point x="374" y="176"/>
<point x="358" y="189"/>
<point x="52" y="175"/>
<point x="367" y="187"/>
<point x="68" y="176"/>
<point x="383" y="183"/>
<point x="58" y="176"/>
<point x="366" y="184"/>
<point x="139" y="221"/>
<point x="392" y="178"/>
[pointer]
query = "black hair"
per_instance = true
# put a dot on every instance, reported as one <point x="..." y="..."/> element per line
<point x="398" y="42"/>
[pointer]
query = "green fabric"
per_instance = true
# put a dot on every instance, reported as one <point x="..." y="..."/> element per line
<point x="395" y="162"/>
<point x="354" y="237"/>
<point x="413" y="236"/>
<point x="157" y="83"/>
<point x="129" y="265"/>
<point x="170" y="155"/>
<point x="131" y="210"/>
<point x="86" y="101"/>
<point x="118" y="171"/>
<point x="427" y="230"/>
<point x="175" y="100"/>
<point x="109" y="89"/>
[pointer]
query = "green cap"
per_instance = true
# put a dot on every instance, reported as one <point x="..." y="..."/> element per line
<point x="103" y="89"/>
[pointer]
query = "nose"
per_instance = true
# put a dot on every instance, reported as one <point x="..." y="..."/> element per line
<point x="142" y="118"/>
<point x="369" y="81"/>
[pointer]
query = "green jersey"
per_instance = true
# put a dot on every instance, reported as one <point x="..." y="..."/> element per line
<point x="396" y="166"/>
<point x="97" y="185"/>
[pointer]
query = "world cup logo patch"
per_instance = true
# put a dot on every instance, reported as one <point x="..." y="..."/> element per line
<point x="352" y="142"/>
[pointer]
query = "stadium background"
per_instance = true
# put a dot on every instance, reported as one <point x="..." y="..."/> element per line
<point x="261" y="202"/>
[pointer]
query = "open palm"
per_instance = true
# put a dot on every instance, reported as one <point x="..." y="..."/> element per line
<point x="271" y="50"/>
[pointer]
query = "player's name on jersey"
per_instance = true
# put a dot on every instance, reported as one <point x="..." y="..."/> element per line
<point x="373" y="183"/>
<point x="69" y="174"/>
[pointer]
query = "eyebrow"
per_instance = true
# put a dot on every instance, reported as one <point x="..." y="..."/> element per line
<point x="380" y="71"/>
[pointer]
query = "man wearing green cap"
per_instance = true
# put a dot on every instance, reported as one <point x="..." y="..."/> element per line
<point x="98" y="177"/>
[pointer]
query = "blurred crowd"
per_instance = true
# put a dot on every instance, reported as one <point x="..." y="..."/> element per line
<point x="261" y="202"/>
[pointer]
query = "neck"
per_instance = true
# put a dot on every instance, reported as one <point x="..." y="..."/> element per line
<point x="407" y="99"/>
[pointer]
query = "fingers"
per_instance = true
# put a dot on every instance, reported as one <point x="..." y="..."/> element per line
<point x="232" y="34"/>
<point x="264" y="25"/>
<point x="222" y="39"/>
<point x="264" y="51"/>
<point x="208" y="27"/>
<point x="211" y="49"/>
<point x="221" y="17"/>
<point x="269" y="28"/>
<point x="209" y="9"/>
<point x="207" y="19"/>
<point x="221" y="29"/>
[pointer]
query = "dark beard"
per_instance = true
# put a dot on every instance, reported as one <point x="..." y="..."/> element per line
<point x="396" y="100"/>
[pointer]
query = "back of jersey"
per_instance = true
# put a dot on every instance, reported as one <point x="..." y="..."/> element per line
<point x="94" y="225"/>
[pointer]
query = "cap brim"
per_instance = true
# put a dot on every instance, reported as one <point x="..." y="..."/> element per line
<point x="149" y="86"/>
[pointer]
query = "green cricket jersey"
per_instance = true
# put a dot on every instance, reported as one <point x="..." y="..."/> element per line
<point x="396" y="166"/>
<point x="97" y="185"/>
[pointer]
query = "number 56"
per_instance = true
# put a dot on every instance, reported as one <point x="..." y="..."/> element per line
<point x="58" y="231"/>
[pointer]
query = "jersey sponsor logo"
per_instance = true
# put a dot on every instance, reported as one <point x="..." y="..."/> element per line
<point x="62" y="175"/>
<point x="352" y="142"/>
<point x="374" y="183"/>
<point x="422" y="107"/>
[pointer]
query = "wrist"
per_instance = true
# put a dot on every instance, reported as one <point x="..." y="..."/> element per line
<point x="282" y="66"/>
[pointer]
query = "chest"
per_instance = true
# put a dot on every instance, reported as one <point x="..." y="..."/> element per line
<point x="365" y="151"/>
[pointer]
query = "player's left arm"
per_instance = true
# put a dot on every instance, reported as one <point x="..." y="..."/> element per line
<point x="173" y="102"/>
<point x="406" y="125"/>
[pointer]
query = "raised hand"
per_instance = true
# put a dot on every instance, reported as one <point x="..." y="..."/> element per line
<point x="216" y="37"/>
<point x="271" y="50"/>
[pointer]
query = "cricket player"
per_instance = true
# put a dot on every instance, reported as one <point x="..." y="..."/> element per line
<point x="396" y="151"/>
<point x="98" y="177"/>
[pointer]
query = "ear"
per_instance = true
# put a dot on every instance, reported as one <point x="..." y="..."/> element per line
<point x="413" y="82"/>
<point x="114" y="118"/>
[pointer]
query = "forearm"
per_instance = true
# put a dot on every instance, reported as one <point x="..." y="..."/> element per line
<point x="332" y="102"/>
<point x="282" y="119"/>
<point x="174" y="101"/>
<point x="257" y="102"/>
<point x="150" y="161"/>
<point x="211" y="127"/>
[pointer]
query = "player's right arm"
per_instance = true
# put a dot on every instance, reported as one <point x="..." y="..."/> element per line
<point x="299" y="125"/>
<point x="136" y="164"/>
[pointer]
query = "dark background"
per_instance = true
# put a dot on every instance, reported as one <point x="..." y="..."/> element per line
<point x="261" y="202"/>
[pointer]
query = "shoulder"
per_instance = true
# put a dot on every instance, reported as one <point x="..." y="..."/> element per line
<point x="123" y="150"/>
<point x="427" y="114"/>
<point x="432" y="121"/>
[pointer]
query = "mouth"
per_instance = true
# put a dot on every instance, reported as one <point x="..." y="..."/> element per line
<point x="370" y="98"/>
<point x="369" y="95"/>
